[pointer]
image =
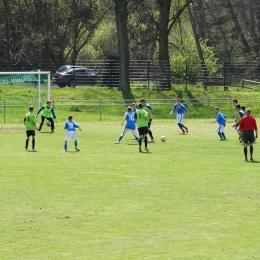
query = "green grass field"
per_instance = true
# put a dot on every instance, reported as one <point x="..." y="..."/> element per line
<point x="191" y="197"/>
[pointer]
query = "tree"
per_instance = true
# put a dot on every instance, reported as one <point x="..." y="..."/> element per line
<point x="121" y="14"/>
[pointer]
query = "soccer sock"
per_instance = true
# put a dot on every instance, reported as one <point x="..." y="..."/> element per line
<point x="76" y="143"/>
<point x="140" y="141"/>
<point x="223" y="135"/>
<point x="180" y="126"/>
<point x="26" y="143"/>
<point x="120" y="138"/>
<point x="145" y="141"/>
<point x="219" y="134"/>
<point x="33" y="143"/>
<point x="251" y="151"/>
<point x="150" y="134"/>
<point x="136" y="138"/>
<point x="65" y="146"/>
<point x="245" y="152"/>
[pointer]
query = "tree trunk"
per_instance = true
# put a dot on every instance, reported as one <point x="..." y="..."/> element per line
<point x="123" y="50"/>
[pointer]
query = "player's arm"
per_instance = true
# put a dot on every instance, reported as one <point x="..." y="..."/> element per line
<point x="24" y="120"/>
<point x="174" y="107"/>
<point x="150" y="110"/>
<point x="123" y="120"/>
<point x="66" y="126"/>
<point x="77" y="126"/>
<point x="53" y="113"/>
<point x="40" y="110"/>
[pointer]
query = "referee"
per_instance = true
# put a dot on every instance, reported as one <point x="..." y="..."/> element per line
<point x="248" y="126"/>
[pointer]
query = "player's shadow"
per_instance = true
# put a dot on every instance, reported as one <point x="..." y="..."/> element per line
<point x="72" y="152"/>
<point x="253" y="161"/>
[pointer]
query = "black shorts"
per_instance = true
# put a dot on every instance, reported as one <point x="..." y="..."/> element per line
<point x="248" y="137"/>
<point x="143" y="130"/>
<point x="30" y="133"/>
<point x="149" y="123"/>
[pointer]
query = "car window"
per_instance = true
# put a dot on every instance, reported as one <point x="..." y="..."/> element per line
<point x="62" y="68"/>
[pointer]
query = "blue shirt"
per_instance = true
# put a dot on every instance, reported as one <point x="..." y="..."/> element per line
<point x="221" y="118"/>
<point x="71" y="125"/>
<point x="181" y="109"/>
<point x="130" y="120"/>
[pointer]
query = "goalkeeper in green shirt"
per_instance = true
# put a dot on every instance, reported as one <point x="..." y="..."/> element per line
<point x="30" y="126"/>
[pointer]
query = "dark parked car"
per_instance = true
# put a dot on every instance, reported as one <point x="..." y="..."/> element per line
<point x="67" y="67"/>
<point x="76" y="76"/>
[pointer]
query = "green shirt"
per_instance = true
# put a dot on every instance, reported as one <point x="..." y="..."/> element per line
<point x="29" y="120"/>
<point x="141" y="118"/>
<point x="148" y="108"/>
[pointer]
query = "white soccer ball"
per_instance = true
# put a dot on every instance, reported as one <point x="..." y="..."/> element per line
<point x="163" y="138"/>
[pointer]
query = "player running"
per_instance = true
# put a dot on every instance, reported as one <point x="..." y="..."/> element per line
<point x="142" y="123"/>
<point x="130" y="125"/>
<point x="221" y="120"/>
<point x="181" y="109"/>
<point x="149" y="111"/>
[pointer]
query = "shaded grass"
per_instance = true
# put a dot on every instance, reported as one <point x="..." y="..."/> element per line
<point x="191" y="197"/>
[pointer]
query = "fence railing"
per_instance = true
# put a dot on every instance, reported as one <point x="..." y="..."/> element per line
<point x="149" y="74"/>
<point x="111" y="110"/>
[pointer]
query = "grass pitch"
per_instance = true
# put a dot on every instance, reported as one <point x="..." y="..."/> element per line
<point x="192" y="197"/>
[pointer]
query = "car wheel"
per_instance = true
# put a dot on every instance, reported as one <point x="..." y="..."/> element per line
<point x="62" y="85"/>
<point x="72" y="83"/>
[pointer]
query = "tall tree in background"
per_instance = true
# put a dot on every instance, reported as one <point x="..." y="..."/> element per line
<point x="121" y="13"/>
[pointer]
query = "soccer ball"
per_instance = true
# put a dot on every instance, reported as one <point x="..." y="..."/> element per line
<point x="48" y="123"/>
<point x="163" y="138"/>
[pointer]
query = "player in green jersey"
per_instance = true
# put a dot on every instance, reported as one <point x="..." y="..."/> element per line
<point x="149" y="111"/>
<point x="142" y="124"/>
<point x="30" y="126"/>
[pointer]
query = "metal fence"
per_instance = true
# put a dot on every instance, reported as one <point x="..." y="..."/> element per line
<point x="149" y="74"/>
<point x="111" y="110"/>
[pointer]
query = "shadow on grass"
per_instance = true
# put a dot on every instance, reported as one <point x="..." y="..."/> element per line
<point x="128" y="97"/>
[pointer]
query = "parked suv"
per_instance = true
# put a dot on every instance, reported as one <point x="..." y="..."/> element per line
<point x="76" y="76"/>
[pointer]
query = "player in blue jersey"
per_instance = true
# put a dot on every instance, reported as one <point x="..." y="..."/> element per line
<point x="221" y="120"/>
<point x="181" y="109"/>
<point x="130" y="125"/>
<point x="71" y="126"/>
<point x="149" y="111"/>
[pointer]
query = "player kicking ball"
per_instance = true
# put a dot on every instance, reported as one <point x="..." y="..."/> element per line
<point x="71" y="126"/>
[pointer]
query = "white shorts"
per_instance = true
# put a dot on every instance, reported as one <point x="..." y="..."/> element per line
<point x="179" y="118"/>
<point x="220" y="129"/>
<point x="71" y="134"/>
<point x="126" y="130"/>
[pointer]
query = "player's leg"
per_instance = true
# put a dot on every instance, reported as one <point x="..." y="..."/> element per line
<point x="149" y="130"/>
<point x="179" y="122"/>
<point x="218" y="130"/>
<point x="135" y="135"/>
<point x="121" y="136"/>
<point x="42" y="121"/>
<point x="140" y="131"/>
<point x="245" y="140"/>
<point x="33" y="141"/>
<point x="27" y="140"/>
<point x="67" y="138"/>
<point x="222" y="132"/>
<point x="251" y="138"/>
<point x="52" y="123"/>
<point x="75" y="141"/>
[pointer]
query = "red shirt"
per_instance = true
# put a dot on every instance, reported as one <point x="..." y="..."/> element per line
<point x="248" y="123"/>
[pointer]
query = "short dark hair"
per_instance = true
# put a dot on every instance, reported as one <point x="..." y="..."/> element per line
<point x="243" y="107"/>
<point x="70" y="117"/>
<point x="140" y="106"/>
<point x="129" y="109"/>
<point x="235" y="101"/>
<point x="238" y="106"/>
<point x="142" y="100"/>
<point x="216" y="108"/>
<point x="48" y="102"/>
<point x="31" y="108"/>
